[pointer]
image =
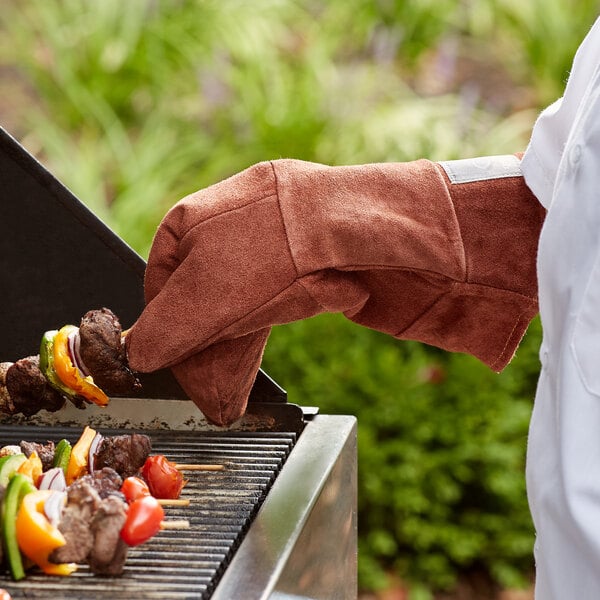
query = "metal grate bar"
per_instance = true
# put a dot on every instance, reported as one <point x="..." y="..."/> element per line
<point x="176" y="563"/>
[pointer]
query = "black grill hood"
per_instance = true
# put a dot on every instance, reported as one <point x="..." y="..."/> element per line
<point x="58" y="260"/>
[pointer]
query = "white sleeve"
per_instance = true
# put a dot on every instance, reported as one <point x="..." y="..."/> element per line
<point x="552" y="129"/>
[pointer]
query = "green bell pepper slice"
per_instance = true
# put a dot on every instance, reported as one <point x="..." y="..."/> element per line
<point x="47" y="364"/>
<point x="47" y="367"/>
<point x="62" y="454"/>
<point x="17" y="488"/>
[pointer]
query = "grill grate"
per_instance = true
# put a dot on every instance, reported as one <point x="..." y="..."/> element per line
<point x="176" y="563"/>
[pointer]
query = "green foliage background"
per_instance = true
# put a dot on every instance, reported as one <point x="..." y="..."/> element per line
<point x="134" y="104"/>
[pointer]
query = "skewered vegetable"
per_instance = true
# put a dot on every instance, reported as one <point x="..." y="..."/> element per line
<point x="55" y="520"/>
<point x="36" y="536"/>
<point x="31" y="467"/>
<point x="9" y="465"/>
<point x="163" y="478"/>
<point x="18" y="487"/>
<point x="144" y="517"/>
<point x="134" y="488"/>
<point x="79" y="456"/>
<point x="70" y="374"/>
<point x="62" y="455"/>
<point x="82" y="364"/>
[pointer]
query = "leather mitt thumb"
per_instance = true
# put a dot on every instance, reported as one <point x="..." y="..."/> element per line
<point x="440" y="253"/>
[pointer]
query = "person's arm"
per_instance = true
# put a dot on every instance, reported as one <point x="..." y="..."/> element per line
<point x="442" y="253"/>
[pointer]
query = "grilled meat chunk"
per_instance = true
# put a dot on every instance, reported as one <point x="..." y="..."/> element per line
<point x="29" y="390"/>
<point x="109" y="551"/>
<point x="107" y="482"/>
<point x="6" y="404"/>
<point x="103" y="352"/>
<point x="91" y="523"/>
<point x="76" y="531"/>
<point x="10" y="450"/>
<point x="44" y="451"/>
<point x="125" y="454"/>
<point x="82" y="503"/>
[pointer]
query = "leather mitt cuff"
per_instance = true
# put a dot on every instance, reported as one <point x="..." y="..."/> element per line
<point x="500" y="220"/>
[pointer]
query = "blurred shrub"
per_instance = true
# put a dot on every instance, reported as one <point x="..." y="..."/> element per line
<point x="135" y="104"/>
<point x="441" y="447"/>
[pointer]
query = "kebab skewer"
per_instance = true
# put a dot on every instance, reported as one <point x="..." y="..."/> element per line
<point x="84" y="364"/>
<point x="93" y="519"/>
<point x="79" y="512"/>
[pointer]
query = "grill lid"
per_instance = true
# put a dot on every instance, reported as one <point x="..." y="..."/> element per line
<point x="58" y="260"/>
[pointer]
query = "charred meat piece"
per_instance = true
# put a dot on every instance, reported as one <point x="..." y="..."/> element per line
<point x="92" y="526"/>
<point x="6" y="404"/>
<point x="82" y="503"/>
<point x="44" y="451"/>
<point x="125" y="454"/>
<point x="109" y="551"/>
<point x="107" y="482"/>
<point x="96" y="348"/>
<point x="10" y="450"/>
<point x="103" y="352"/>
<point x="29" y="390"/>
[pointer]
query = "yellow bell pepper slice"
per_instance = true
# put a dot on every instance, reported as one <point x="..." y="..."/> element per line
<point x="68" y="372"/>
<point x="37" y="537"/>
<point x="78" y="461"/>
<point x="32" y="467"/>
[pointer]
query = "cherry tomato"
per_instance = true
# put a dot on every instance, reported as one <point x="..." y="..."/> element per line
<point x="134" y="488"/>
<point x="144" y="517"/>
<point x="163" y="479"/>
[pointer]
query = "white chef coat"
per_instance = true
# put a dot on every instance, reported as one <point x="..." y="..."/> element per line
<point x="562" y="168"/>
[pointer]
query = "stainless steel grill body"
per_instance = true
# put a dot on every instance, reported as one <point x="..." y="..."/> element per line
<point x="302" y="544"/>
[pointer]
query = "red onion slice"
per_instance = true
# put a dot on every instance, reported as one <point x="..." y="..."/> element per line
<point x="74" y="345"/>
<point x="94" y="446"/>
<point x="53" y="479"/>
<point x="54" y="505"/>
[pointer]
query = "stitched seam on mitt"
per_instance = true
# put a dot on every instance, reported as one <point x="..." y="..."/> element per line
<point x="219" y="337"/>
<point x="226" y="212"/>
<point x="424" y="312"/>
<point x="462" y="254"/>
<point x="287" y="237"/>
<point x="520" y="318"/>
<point x="500" y="359"/>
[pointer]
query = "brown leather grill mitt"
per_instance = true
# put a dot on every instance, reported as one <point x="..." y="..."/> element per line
<point x="445" y="255"/>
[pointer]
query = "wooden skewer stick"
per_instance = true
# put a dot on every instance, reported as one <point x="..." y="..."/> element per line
<point x="175" y="524"/>
<point x="186" y="467"/>
<point x="174" y="501"/>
